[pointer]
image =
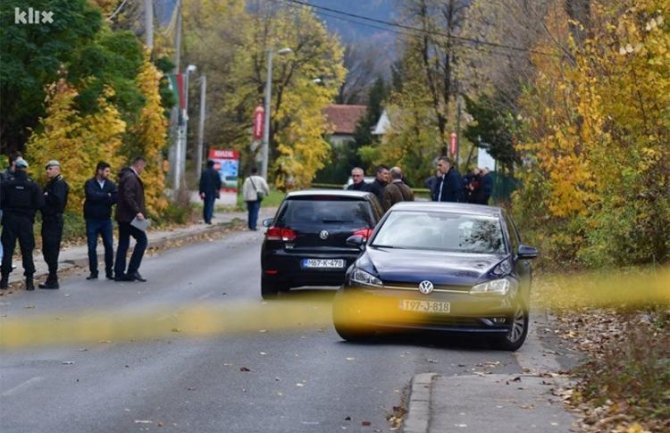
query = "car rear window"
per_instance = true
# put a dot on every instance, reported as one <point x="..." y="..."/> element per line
<point x="323" y="211"/>
<point x="441" y="231"/>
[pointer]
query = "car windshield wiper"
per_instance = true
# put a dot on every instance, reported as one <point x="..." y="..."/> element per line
<point x="383" y="246"/>
<point x="326" y="221"/>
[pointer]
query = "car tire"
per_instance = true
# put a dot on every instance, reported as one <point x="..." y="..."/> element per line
<point x="346" y="318"/>
<point x="516" y="336"/>
<point x="269" y="289"/>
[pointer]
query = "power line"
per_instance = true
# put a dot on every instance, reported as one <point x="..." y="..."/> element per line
<point x="476" y="42"/>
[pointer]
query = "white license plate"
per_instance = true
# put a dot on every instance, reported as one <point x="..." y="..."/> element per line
<point x="323" y="263"/>
<point x="424" y="306"/>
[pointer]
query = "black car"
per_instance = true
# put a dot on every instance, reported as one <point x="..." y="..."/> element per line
<point x="306" y="242"/>
<point x="442" y="267"/>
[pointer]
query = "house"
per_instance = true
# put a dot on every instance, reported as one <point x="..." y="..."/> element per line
<point x="343" y="120"/>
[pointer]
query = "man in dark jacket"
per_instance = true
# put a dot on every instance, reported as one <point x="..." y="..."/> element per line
<point x="450" y="185"/>
<point x="101" y="194"/>
<point x="55" y="200"/>
<point x="130" y="207"/>
<point x="19" y="199"/>
<point x="397" y="190"/>
<point x="380" y="182"/>
<point x="358" y="178"/>
<point x="486" y="187"/>
<point x="210" y="185"/>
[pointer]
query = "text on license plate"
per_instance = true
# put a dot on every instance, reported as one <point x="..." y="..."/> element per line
<point x="424" y="306"/>
<point x="323" y="263"/>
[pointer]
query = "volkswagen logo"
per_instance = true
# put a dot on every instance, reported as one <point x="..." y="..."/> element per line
<point x="425" y="287"/>
<point x="324" y="234"/>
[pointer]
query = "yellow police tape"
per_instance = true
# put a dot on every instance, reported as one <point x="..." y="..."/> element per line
<point x="295" y="312"/>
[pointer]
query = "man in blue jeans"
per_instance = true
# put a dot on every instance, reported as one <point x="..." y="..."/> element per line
<point x="253" y="191"/>
<point x="101" y="194"/>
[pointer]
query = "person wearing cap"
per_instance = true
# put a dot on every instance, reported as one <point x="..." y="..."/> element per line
<point x="210" y="185"/>
<point x="20" y="198"/>
<point x="55" y="201"/>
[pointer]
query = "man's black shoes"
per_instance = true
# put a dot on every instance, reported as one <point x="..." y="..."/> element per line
<point x="4" y="283"/>
<point x="109" y="275"/>
<point x="53" y="285"/>
<point x="92" y="276"/>
<point x="29" y="283"/>
<point x="135" y="276"/>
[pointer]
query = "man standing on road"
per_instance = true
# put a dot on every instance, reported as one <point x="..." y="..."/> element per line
<point x="449" y="186"/>
<point x="253" y="191"/>
<point x="380" y="182"/>
<point x="210" y="185"/>
<point x="101" y="194"/>
<point x="359" y="183"/>
<point x="19" y="199"/>
<point x="55" y="200"/>
<point x="130" y="207"/>
<point x="397" y="190"/>
<point x="486" y="187"/>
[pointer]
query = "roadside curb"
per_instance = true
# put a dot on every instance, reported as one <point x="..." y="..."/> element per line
<point x="418" y="408"/>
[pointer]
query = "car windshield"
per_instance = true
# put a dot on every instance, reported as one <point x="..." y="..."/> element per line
<point x="441" y="231"/>
<point x="345" y="213"/>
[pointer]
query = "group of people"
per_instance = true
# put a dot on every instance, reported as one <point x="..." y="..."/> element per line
<point x="447" y="185"/>
<point x="21" y="198"/>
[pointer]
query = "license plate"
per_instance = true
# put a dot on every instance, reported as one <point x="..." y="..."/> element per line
<point x="424" y="306"/>
<point x="323" y="263"/>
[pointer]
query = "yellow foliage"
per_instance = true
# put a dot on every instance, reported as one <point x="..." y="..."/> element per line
<point x="77" y="141"/>
<point x="150" y="135"/>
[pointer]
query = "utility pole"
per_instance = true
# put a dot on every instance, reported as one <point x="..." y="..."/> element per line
<point x="149" y="24"/>
<point x="174" y="116"/>
<point x="201" y="124"/>
<point x="265" y="151"/>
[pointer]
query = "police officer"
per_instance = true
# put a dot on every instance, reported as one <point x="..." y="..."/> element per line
<point x="20" y="199"/>
<point x="55" y="200"/>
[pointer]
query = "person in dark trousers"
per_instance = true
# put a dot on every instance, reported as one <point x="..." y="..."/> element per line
<point x="450" y="185"/>
<point x="55" y="200"/>
<point x="210" y="185"/>
<point x="130" y="205"/>
<point x="100" y="195"/>
<point x="358" y="178"/>
<point x="485" y="187"/>
<point x="20" y="198"/>
<point x="397" y="190"/>
<point x="253" y="191"/>
<point x="380" y="182"/>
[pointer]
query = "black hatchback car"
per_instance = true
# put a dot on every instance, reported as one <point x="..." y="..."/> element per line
<point x="446" y="267"/>
<point x="306" y="242"/>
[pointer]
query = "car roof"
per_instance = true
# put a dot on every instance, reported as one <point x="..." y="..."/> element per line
<point x="329" y="193"/>
<point x="464" y="208"/>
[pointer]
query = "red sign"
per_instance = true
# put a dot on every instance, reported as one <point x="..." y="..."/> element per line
<point x="259" y="118"/>
<point x="452" y="144"/>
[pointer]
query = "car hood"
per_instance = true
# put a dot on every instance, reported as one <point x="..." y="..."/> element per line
<point x="439" y="267"/>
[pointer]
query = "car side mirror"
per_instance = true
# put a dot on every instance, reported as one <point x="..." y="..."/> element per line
<point x="527" y="252"/>
<point x="267" y="222"/>
<point x="357" y="241"/>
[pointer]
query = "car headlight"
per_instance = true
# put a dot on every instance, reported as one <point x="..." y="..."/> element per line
<point x="502" y="286"/>
<point x="362" y="277"/>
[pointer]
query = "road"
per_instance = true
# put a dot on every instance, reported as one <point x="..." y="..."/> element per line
<point x="263" y="380"/>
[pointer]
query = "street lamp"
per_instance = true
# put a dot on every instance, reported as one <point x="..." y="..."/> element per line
<point x="266" y="123"/>
<point x="180" y="152"/>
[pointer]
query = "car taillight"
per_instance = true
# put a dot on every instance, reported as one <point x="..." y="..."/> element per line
<point x="280" y="234"/>
<point x="363" y="232"/>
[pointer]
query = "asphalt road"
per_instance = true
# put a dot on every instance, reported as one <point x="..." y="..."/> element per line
<point x="263" y="380"/>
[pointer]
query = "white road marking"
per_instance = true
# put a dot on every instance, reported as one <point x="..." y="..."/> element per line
<point x="22" y="386"/>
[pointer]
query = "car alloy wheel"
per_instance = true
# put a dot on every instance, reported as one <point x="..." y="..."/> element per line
<point x="516" y="335"/>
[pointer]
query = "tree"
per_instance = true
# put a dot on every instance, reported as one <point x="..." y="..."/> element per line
<point x="32" y="56"/>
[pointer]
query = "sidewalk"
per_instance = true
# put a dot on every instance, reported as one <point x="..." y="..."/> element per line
<point x="500" y="403"/>
<point x="77" y="256"/>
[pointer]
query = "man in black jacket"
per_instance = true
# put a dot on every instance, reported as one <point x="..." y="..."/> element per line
<point x="55" y="200"/>
<point x="358" y="180"/>
<point x="449" y="186"/>
<point x="19" y="199"/>
<point x="381" y="180"/>
<point x="100" y="197"/>
<point x="210" y="185"/>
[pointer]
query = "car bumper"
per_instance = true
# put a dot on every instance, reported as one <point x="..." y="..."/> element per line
<point x="380" y="308"/>
<point x="286" y="268"/>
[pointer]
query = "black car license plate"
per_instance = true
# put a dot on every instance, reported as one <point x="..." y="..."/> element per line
<point x="323" y="263"/>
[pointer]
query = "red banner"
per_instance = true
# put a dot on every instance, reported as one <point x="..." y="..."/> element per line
<point x="452" y="144"/>
<point x="259" y="118"/>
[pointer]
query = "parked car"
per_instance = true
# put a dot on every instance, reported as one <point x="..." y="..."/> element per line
<point x="305" y="243"/>
<point x="366" y="179"/>
<point x="447" y="267"/>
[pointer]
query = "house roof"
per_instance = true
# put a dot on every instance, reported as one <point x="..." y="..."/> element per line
<point x="344" y="118"/>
